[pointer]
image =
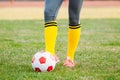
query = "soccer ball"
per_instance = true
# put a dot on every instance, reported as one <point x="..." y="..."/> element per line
<point x="43" y="62"/>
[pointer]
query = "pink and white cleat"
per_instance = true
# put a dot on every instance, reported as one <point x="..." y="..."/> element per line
<point x="69" y="63"/>
<point x="55" y="58"/>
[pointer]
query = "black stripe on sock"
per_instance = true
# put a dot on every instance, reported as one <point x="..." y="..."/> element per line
<point x="74" y="27"/>
<point x="52" y="23"/>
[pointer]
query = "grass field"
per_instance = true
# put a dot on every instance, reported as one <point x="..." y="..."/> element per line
<point x="97" y="56"/>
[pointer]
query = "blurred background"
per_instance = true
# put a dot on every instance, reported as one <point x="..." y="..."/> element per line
<point x="34" y="9"/>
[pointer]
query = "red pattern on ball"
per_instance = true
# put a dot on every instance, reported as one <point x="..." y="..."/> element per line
<point x="33" y="59"/>
<point x="42" y="60"/>
<point x="50" y="68"/>
<point x="37" y="70"/>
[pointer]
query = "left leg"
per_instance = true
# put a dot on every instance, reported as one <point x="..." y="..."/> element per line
<point x="74" y="30"/>
<point x="74" y="12"/>
<point x="50" y="31"/>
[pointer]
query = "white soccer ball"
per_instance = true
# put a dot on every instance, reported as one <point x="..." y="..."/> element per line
<point x="43" y="62"/>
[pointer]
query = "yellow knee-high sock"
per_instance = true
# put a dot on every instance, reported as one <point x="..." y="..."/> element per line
<point x="50" y="34"/>
<point x="73" y="39"/>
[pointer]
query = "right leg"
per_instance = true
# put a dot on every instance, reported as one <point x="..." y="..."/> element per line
<point x="50" y="31"/>
<point x="73" y="31"/>
<point x="51" y="9"/>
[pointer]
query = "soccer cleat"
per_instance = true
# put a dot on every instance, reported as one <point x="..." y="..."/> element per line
<point x="55" y="58"/>
<point x="69" y="63"/>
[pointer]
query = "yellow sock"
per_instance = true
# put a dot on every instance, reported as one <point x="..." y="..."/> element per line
<point x="73" y="39"/>
<point x="50" y="34"/>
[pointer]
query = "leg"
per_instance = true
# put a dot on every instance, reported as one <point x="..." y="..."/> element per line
<point x="73" y="31"/>
<point x="50" y="31"/>
<point x="51" y="9"/>
<point x="74" y="12"/>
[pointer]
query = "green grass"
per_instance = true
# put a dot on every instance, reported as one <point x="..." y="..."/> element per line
<point x="97" y="56"/>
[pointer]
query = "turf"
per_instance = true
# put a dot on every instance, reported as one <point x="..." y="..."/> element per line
<point x="97" y="56"/>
